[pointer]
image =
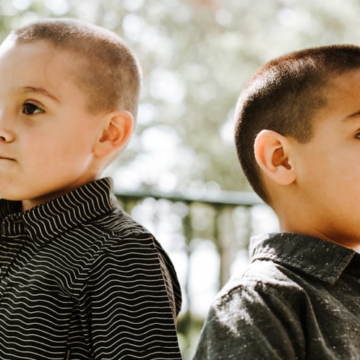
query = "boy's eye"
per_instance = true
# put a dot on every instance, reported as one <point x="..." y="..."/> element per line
<point x="357" y="135"/>
<point x="31" y="109"/>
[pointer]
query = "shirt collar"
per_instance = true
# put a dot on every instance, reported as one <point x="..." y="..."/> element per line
<point x="310" y="255"/>
<point x="52" y="218"/>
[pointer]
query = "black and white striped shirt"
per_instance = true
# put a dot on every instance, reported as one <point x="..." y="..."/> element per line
<point x="81" y="280"/>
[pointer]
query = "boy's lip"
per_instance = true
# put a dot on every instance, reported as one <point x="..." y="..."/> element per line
<point x="6" y="158"/>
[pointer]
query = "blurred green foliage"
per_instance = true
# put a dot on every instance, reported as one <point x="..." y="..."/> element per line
<point x="196" y="56"/>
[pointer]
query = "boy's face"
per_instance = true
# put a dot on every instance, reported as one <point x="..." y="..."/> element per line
<point x="328" y="167"/>
<point x="46" y="134"/>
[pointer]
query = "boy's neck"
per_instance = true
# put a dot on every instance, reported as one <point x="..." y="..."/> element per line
<point x="345" y="240"/>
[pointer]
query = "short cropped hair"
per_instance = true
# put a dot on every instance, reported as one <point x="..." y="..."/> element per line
<point x="109" y="73"/>
<point x="284" y="96"/>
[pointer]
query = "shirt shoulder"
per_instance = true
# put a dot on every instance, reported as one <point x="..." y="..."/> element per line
<point x="118" y="221"/>
<point x="263" y="276"/>
<point x="265" y="290"/>
<point x="131" y="247"/>
<point x="255" y="316"/>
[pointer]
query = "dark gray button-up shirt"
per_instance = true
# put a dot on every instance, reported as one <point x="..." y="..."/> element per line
<point x="298" y="299"/>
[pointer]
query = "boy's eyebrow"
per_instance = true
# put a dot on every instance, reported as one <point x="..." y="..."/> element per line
<point x="352" y="117"/>
<point x="40" y="91"/>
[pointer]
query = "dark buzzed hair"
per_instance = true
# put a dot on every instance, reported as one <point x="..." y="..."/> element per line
<point x="284" y="96"/>
<point x="108" y="72"/>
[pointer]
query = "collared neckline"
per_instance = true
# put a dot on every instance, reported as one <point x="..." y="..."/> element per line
<point x="313" y="256"/>
<point x="54" y="217"/>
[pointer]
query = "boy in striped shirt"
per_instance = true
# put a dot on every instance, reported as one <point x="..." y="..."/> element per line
<point x="79" y="278"/>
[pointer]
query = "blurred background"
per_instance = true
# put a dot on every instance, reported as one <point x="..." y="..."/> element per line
<point x="180" y="176"/>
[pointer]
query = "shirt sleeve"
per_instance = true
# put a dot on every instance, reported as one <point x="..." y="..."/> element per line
<point x="252" y="323"/>
<point x="125" y="309"/>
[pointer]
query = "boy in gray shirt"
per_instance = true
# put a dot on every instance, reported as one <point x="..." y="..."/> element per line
<point x="298" y="141"/>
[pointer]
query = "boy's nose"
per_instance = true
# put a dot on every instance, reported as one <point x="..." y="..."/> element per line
<point x="6" y="135"/>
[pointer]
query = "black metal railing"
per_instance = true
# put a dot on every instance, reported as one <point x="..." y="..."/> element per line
<point x="182" y="222"/>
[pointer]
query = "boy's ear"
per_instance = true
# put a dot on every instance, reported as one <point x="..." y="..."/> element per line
<point x="117" y="132"/>
<point x="273" y="155"/>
